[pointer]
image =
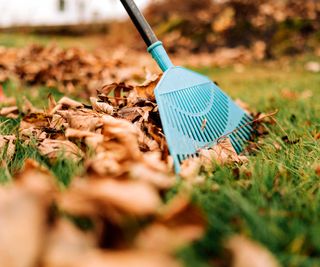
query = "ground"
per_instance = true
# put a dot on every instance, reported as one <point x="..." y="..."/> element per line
<point x="274" y="198"/>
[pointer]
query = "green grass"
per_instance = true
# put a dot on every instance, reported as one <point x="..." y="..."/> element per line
<point x="275" y="198"/>
<point x="25" y="39"/>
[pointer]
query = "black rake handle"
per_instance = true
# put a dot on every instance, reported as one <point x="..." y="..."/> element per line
<point x="140" y="22"/>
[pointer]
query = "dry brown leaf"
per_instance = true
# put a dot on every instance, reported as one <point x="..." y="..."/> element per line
<point x="77" y="204"/>
<point x="51" y="104"/>
<point x="67" y="246"/>
<point x="224" y="21"/>
<point x="247" y="253"/>
<point x="22" y="227"/>
<point x="67" y="103"/>
<point x="120" y="194"/>
<point x="129" y="113"/>
<point x="28" y="108"/>
<point x="92" y="140"/>
<point x="259" y="50"/>
<point x="313" y="66"/>
<point x="115" y="93"/>
<point x="159" y="237"/>
<point x="306" y="94"/>
<point x="7" y="142"/>
<point x="291" y="95"/>
<point x="82" y="119"/>
<point x="178" y="223"/>
<point x="107" y="163"/>
<point x="222" y="153"/>
<point x="35" y="121"/>
<point x="124" y="132"/>
<point x="9" y="112"/>
<point x="204" y="124"/>
<point x="55" y="148"/>
<point x="153" y="170"/>
<point x="100" y="106"/>
<point x="129" y="258"/>
<point x="190" y="168"/>
<point x="146" y="90"/>
<point x="117" y="88"/>
<point x="145" y="142"/>
<point x="38" y="180"/>
<point x="180" y="211"/>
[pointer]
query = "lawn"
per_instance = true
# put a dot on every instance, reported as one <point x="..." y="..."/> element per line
<point x="274" y="198"/>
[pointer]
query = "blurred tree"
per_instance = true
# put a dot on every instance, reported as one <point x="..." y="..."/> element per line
<point x="281" y="26"/>
<point x="61" y="5"/>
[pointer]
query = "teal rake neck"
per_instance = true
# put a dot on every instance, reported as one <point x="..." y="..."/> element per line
<point x="160" y="56"/>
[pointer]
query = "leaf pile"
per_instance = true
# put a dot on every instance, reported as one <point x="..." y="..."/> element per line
<point x="118" y="198"/>
<point x="67" y="69"/>
<point x="87" y="224"/>
<point x="268" y="28"/>
<point x="118" y="135"/>
<point x="113" y="213"/>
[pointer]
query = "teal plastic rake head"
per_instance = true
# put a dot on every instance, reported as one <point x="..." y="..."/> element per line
<point x="194" y="111"/>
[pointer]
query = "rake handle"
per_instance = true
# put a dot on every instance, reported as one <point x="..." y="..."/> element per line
<point x="140" y="22"/>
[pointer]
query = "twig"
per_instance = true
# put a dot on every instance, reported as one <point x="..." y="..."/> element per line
<point x="248" y="123"/>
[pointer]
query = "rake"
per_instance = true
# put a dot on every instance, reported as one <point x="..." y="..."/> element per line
<point x="194" y="111"/>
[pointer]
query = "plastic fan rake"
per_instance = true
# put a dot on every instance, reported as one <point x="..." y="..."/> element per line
<point x="194" y="111"/>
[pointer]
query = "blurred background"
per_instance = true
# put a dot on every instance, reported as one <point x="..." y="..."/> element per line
<point x="264" y="53"/>
<point x="196" y="33"/>
<point x="269" y="27"/>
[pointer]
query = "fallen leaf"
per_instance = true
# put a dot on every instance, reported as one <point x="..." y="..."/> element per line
<point x="67" y="103"/>
<point x="28" y="108"/>
<point x="101" y="106"/>
<point x="22" y="221"/>
<point x="204" y="124"/>
<point x="129" y="258"/>
<point x="118" y="89"/>
<point x="151" y="169"/>
<point x="10" y="112"/>
<point x="159" y="237"/>
<point x="277" y="146"/>
<point x="224" y="20"/>
<point x="35" y="120"/>
<point x="92" y="140"/>
<point x="55" y="148"/>
<point x="287" y="94"/>
<point x="7" y="146"/>
<point x="288" y="141"/>
<point x="37" y="179"/>
<point x="223" y="152"/>
<point x="247" y="253"/>
<point x="190" y="168"/>
<point x="51" y="104"/>
<point x="67" y="245"/>
<point x="313" y="66"/>
<point x="146" y="90"/>
<point x="120" y="194"/>
<point x="180" y="211"/>
<point x="82" y="119"/>
<point x="291" y="95"/>
<point x="124" y="132"/>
